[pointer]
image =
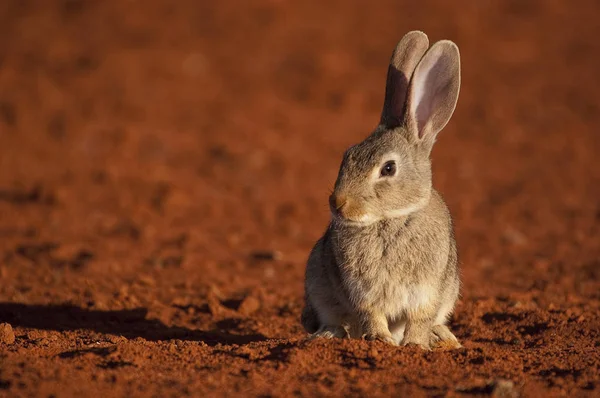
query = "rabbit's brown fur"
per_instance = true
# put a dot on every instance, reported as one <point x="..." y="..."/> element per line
<point x="386" y="268"/>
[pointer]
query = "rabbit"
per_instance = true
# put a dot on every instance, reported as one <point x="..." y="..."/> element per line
<point x="386" y="268"/>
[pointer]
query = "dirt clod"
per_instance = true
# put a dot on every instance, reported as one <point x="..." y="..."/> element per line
<point x="249" y="305"/>
<point x="7" y="335"/>
<point x="504" y="389"/>
<point x="373" y="353"/>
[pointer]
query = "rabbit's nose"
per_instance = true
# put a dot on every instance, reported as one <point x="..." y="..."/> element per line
<point x="337" y="201"/>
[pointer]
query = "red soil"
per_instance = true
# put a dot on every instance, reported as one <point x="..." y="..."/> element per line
<point x="164" y="171"/>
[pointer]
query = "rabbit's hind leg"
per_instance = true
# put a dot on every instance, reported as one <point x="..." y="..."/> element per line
<point x="329" y="332"/>
<point x="309" y="319"/>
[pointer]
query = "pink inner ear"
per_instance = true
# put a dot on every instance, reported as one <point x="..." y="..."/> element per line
<point x="427" y="89"/>
<point x="423" y="110"/>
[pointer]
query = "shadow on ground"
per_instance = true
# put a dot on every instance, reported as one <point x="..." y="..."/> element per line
<point x="128" y="323"/>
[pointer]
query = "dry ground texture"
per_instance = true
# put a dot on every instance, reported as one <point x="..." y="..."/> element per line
<point x="164" y="172"/>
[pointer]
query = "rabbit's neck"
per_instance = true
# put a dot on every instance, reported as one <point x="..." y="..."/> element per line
<point x="369" y="245"/>
<point x="383" y="227"/>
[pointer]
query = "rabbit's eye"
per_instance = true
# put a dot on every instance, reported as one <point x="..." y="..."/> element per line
<point x="388" y="169"/>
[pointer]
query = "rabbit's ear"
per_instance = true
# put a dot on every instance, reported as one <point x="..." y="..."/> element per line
<point x="433" y="91"/>
<point x="405" y="58"/>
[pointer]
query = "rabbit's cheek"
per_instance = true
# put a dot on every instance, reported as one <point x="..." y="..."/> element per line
<point x="407" y="210"/>
<point x="368" y="218"/>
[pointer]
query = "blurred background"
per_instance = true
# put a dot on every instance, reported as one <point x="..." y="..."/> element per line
<point x="225" y="123"/>
<point x="151" y="151"/>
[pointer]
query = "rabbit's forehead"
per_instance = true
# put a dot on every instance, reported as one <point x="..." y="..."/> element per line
<point x="369" y="153"/>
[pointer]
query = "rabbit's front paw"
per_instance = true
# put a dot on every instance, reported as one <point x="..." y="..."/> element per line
<point x="420" y="340"/>
<point x="441" y="338"/>
<point x="422" y="345"/>
<point x="386" y="338"/>
<point x="418" y="332"/>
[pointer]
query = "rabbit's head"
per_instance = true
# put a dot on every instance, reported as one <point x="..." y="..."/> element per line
<point x="388" y="175"/>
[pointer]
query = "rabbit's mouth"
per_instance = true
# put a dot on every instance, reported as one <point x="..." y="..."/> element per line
<point x="353" y="218"/>
<point x="362" y="221"/>
<point x="347" y="211"/>
<point x="350" y="213"/>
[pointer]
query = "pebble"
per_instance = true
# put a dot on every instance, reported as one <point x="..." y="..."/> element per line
<point x="7" y="335"/>
<point x="504" y="389"/>
<point x="249" y="305"/>
<point x="146" y="280"/>
<point x="116" y="339"/>
<point x="214" y="305"/>
<point x="373" y="353"/>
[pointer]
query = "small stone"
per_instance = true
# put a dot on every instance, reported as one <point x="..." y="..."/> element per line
<point x="373" y="353"/>
<point x="146" y="280"/>
<point x="214" y="306"/>
<point x="569" y="312"/>
<point x="7" y="335"/>
<point x="249" y="305"/>
<point x="504" y="389"/>
<point x="213" y="290"/>
<point x="116" y="339"/>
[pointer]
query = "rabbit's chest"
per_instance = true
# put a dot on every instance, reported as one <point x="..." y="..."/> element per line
<point x="382" y="274"/>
